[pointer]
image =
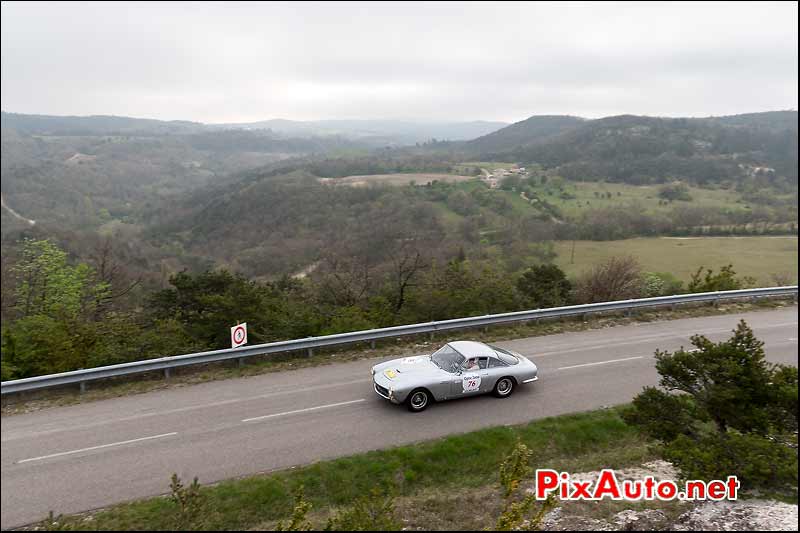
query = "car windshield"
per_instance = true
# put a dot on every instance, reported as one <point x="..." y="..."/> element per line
<point x="447" y="359"/>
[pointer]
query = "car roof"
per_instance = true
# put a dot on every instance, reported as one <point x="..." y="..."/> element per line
<point x="472" y="349"/>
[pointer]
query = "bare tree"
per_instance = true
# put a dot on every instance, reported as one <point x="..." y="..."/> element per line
<point x="619" y="278"/>
<point x="782" y="279"/>
<point x="343" y="279"/>
<point x="407" y="260"/>
<point x="109" y="271"/>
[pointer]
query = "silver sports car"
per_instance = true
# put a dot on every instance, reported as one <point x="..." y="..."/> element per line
<point x="457" y="369"/>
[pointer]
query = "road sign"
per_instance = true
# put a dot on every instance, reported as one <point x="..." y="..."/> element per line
<point x="239" y="335"/>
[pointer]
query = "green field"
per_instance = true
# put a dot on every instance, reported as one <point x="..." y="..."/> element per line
<point x="594" y="195"/>
<point x="760" y="257"/>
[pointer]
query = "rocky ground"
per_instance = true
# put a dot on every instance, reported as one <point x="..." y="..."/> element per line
<point x="741" y="515"/>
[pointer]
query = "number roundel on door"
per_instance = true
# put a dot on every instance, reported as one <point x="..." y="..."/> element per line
<point x="471" y="383"/>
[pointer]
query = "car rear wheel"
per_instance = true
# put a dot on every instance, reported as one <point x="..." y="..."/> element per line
<point x="504" y="387"/>
<point x="418" y="400"/>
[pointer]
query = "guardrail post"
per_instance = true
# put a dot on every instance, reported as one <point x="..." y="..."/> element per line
<point x="431" y="335"/>
<point x="310" y="352"/>
<point x="241" y="362"/>
<point x="166" y="373"/>
<point x="83" y="387"/>
<point x="372" y="344"/>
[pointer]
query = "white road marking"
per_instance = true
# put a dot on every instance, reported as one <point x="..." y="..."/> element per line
<point x="303" y="410"/>
<point x="96" y="447"/>
<point x="7" y="438"/>
<point x="792" y="339"/>
<point x="601" y="362"/>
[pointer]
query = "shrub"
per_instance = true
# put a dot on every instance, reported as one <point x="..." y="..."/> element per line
<point x="619" y="278"/>
<point x="373" y="512"/>
<point x="757" y="462"/>
<point x="298" y="521"/>
<point x="660" y="415"/>
<point x="520" y="512"/>
<point x="544" y="286"/>
<point x="189" y="502"/>
<point x="725" y="280"/>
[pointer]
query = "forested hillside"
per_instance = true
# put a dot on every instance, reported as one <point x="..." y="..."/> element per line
<point x="154" y="239"/>
<point x="759" y="147"/>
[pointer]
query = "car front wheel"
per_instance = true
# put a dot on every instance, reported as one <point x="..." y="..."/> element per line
<point x="504" y="387"/>
<point x="418" y="400"/>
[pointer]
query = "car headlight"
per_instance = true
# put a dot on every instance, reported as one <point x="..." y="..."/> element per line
<point x="373" y="370"/>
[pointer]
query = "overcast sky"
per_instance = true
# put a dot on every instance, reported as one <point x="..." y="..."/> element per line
<point x="237" y="62"/>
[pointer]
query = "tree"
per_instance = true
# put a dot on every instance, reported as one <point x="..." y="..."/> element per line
<point x="48" y="285"/>
<point x="725" y="280"/>
<point x="730" y="381"/>
<point x="674" y="191"/>
<point x="751" y="404"/>
<point x="544" y="286"/>
<point x="619" y="278"/>
<point x="208" y="304"/>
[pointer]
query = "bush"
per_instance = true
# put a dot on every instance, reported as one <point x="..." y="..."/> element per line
<point x="757" y="462"/>
<point x="619" y="278"/>
<point x="725" y="280"/>
<point x="520" y="512"/>
<point x="544" y="286"/>
<point x="675" y="191"/>
<point x="752" y="404"/>
<point x="660" y="415"/>
<point x="298" y="522"/>
<point x="189" y="503"/>
<point x="661" y="284"/>
<point x="373" y="512"/>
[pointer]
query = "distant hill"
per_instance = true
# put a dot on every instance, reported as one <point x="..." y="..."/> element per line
<point x="531" y="130"/>
<point x="640" y="149"/>
<point x="94" y="125"/>
<point x="395" y="132"/>
<point x="366" y="132"/>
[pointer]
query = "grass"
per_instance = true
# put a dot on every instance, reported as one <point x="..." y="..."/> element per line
<point x="593" y="195"/>
<point x="759" y="257"/>
<point x="397" y="179"/>
<point x="461" y="463"/>
<point x="489" y="165"/>
<point x="399" y="347"/>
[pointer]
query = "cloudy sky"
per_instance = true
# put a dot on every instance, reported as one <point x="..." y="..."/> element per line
<point x="236" y="62"/>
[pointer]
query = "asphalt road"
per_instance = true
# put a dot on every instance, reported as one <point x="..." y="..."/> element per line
<point x="87" y="456"/>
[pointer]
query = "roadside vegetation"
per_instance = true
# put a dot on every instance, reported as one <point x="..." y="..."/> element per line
<point x="457" y="464"/>
<point x="66" y="316"/>
<point x="734" y="414"/>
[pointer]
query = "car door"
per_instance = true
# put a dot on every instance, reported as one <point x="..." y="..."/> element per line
<point x="469" y="382"/>
<point x="497" y="369"/>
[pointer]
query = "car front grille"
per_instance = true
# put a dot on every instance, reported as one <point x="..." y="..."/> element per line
<point x="383" y="391"/>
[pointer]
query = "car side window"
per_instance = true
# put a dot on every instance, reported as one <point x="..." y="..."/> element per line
<point x="496" y="363"/>
<point x="483" y="362"/>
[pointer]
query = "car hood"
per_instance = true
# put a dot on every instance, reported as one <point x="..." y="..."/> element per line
<point x="397" y="370"/>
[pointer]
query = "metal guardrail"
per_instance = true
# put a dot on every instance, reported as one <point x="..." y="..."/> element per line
<point x="166" y="363"/>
